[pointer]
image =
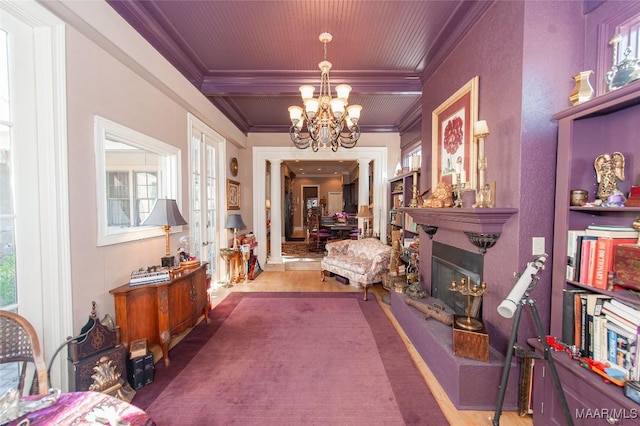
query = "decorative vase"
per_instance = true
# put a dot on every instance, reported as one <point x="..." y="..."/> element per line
<point x="582" y="90"/>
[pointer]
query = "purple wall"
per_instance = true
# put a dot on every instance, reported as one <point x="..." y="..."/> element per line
<point x="525" y="72"/>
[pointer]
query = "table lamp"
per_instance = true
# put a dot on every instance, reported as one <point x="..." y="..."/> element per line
<point x="365" y="213"/>
<point x="234" y="221"/>
<point x="165" y="213"/>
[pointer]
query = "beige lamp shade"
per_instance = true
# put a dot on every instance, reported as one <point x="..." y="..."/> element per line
<point x="365" y="212"/>
<point x="165" y="213"/>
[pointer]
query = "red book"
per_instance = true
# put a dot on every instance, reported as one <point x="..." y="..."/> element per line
<point x="604" y="259"/>
<point x="586" y="260"/>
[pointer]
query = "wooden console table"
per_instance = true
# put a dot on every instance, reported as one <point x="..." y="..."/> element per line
<point x="159" y="310"/>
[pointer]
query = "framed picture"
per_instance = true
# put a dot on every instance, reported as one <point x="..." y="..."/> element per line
<point x="454" y="152"/>
<point x="233" y="195"/>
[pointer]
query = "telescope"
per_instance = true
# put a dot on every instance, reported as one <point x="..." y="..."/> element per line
<point x="509" y="305"/>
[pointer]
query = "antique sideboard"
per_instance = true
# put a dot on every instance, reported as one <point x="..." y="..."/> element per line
<point x="160" y="310"/>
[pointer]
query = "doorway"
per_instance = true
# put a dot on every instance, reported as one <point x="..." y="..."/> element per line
<point x="310" y="201"/>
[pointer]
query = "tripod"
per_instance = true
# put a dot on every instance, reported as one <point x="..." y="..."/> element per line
<point x="529" y="301"/>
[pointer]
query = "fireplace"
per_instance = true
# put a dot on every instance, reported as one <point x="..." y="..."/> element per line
<point x="449" y="264"/>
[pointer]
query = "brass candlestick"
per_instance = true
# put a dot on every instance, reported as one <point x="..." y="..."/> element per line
<point x="415" y="191"/>
<point x="465" y="288"/>
<point x="457" y="190"/>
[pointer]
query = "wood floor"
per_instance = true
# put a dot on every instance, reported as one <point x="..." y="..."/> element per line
<point x="309" y="280"/>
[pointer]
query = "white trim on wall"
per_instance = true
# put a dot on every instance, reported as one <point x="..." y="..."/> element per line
<point x="277" y="154"/>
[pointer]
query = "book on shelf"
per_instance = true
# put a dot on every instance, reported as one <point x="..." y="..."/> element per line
<point x="604" y="259"/>
<point x="611" y="231"/>
<point x="624" y="310"/>
<point x="572" y="252"/>
<point x="586" y="260"/>
<point x="592" y="304"/>
<point x="569" y="314"/>
<point x="628" y="324"/>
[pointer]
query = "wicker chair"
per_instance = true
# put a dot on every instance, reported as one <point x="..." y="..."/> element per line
<point x="20" y="344"/>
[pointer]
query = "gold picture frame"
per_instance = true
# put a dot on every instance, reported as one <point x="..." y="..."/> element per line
<point x="452" y="141"/>
<point x="233" y="195"/>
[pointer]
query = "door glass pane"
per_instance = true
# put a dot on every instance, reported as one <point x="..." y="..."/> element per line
<point x="211" y="206"/>
<point x="8" y="290"/>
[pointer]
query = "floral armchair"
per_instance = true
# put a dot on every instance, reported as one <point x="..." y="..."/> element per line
<point x="362" y="262"/>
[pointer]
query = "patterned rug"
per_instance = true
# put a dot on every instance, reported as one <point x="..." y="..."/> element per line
<point x="299" y="250"/>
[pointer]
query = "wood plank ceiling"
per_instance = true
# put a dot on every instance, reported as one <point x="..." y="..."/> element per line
<point x="250" y="56"/>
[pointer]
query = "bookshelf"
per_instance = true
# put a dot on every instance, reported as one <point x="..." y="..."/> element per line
<point x="604" y="124"/>
<point x="400" y="190"/>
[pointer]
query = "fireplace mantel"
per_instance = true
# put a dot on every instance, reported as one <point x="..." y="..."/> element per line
<point x="482" y="226"/>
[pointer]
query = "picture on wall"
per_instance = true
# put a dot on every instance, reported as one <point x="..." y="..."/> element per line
<point x="454" y="153"/>
<point x="233" y="195"/>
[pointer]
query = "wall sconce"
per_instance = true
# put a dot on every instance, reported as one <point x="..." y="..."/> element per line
<point x="165" y="213"/>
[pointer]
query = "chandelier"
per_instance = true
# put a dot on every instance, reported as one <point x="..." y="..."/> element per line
<point x="327" y="124"/>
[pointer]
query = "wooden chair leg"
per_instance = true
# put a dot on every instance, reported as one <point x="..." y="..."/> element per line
<point x="321" y="275"/>
<point x="366" y="287"/>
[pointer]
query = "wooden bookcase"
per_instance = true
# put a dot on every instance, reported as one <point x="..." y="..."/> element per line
<point x="400" y="190"/>
<point x="608" y="123"/>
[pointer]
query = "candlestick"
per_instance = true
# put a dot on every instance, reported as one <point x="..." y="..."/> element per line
<point x="457" y="189"/>
<point x="481" y="131"/>
<point x="415" y="162"/>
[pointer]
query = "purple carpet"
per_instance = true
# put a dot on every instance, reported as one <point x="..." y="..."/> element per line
<point x="291" y="358"/>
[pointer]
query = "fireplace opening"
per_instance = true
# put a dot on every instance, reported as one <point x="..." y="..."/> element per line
<point x="450" y="264"/>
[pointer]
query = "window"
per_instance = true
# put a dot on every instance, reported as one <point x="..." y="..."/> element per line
<point x="408" y="154"/>
<point x="129" y="205"/>
<point x="132" y="171"/>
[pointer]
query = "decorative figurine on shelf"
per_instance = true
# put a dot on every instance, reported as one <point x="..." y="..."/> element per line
<point x="441" y="196"/>
<point x="609" y="168"/>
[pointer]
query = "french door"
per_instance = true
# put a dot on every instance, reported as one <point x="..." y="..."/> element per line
<point x="206" y="151"/>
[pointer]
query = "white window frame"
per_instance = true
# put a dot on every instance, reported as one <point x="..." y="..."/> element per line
<point x="170" y="181"/>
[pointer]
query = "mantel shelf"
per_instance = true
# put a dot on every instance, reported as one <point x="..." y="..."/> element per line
<point x="477" y="221"/>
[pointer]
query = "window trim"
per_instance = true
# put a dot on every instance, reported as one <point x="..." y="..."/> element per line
<point x="170" y="186"/>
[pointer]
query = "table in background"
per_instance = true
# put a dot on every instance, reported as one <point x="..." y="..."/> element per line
<point x="341" y="231"/>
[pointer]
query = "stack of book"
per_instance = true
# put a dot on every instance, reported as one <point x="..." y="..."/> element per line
<point x="590" y="252"/>
<point x="151" y="274"/>
<point x="604" y="329"/>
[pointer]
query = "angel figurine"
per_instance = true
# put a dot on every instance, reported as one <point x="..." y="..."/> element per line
<point x="609" y="168"/>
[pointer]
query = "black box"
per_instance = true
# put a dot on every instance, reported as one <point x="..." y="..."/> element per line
<point x="149" y="368"/>
<point x="135" y="372"/>
<point x="342" y="279"/>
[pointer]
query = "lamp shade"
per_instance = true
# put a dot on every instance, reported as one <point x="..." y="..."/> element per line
<point x="365" y="212"/>
<point x="234" y="221"/>
<point x="165" y="212"/>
